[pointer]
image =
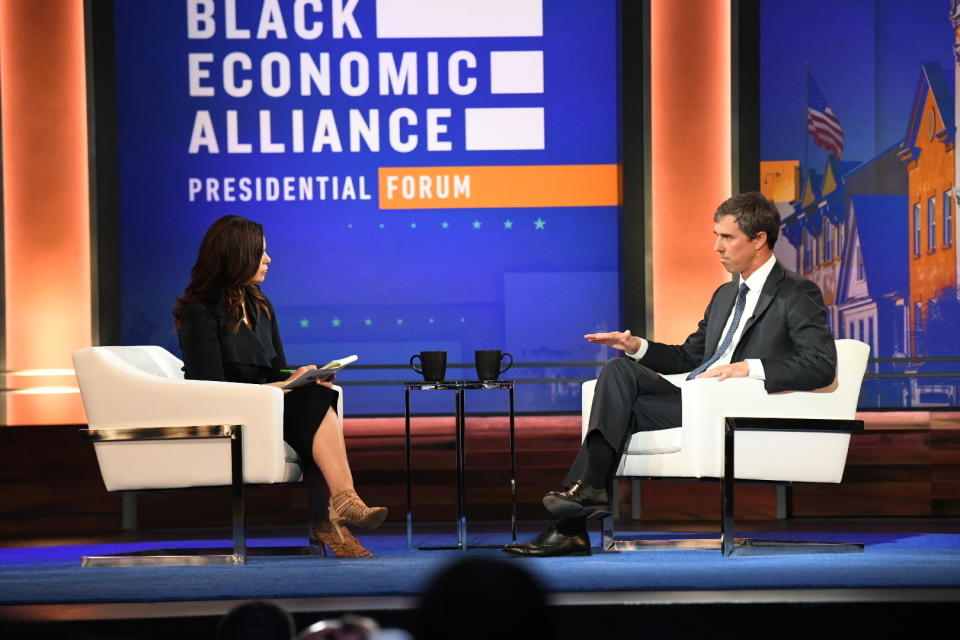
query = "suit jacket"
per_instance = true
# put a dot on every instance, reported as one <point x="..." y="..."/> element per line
<point x="211" y="352"/>
<point x="787" y="332"/>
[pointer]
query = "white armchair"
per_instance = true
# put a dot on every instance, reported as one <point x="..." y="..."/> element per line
<point x="152" y="429"/>
<point x="797" y="436"/>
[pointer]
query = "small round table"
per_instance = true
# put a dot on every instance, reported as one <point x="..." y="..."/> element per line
<point x="459" y="387"/>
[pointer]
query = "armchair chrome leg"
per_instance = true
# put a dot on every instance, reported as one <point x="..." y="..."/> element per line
<point x="607" y="542"/>
<point x="730" y="546"/>
<point x="236" y="490"/>
<point x="237" y="555"/>
<point x="636" y="499"/>
<point x="783" y="511"/>
<point x="128" y="510"/>
<point x="614" y="494"/>
<point x="727" y="491"/>
<point x="727" y="543"/>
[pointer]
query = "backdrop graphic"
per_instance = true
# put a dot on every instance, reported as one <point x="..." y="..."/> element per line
<point x="869" y="194"/>
<point x="431" y="174"/>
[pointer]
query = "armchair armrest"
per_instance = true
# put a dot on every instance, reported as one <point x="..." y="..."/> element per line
<point x="746" y="397"/>
<point x="707" y="402"/>
<point x="118" y="395"/>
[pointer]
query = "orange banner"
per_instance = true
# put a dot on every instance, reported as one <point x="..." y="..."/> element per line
<point x="569" y="185"/>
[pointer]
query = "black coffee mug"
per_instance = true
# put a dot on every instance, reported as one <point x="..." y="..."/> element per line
<point x="488" y="362"/>
<point x="433" y="363"/>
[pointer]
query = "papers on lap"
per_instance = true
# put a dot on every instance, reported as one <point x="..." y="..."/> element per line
<point x="327" y="370"/>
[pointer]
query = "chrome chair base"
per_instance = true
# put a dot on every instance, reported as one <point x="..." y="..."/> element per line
<point x="741" y="546"/>
<point x="235" y="556"/>
<point x="727" y="543"/>
<point x="191" y="557"/>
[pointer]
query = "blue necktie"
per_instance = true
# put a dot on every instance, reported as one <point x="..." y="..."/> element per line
<point x="727" y="339"/>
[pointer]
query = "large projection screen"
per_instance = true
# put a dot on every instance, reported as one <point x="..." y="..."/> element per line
<point x="431" y="174"/>
<point x="858" y="128"/>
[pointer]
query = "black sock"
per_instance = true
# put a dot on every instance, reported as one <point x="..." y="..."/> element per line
<point x="571" y="526"/>
<point x="601" y="459"/>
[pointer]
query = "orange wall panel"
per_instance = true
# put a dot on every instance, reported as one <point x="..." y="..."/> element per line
<point x="691" y="156"/>
<point x="46" y="197"/>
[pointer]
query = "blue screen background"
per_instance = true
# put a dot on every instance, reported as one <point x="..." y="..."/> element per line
<point x="346" y="276"/>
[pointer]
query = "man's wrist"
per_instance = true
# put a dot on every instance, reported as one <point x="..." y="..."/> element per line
<point x="755" y="369"/>
<point x="639" y="349"/>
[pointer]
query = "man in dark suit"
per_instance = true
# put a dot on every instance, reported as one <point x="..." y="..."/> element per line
<point x="766" y="323"/>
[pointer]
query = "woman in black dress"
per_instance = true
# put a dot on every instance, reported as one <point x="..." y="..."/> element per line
<point x="228" y="331"/>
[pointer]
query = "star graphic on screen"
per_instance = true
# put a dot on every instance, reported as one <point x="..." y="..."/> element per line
<point x="539" y="223"/>
<point x="477" y="224"/>
<point x="367" y="321"/>
<point x="304" y="323"/>
<point x="463" y="319"/>
<point x="336" y="322"/>
<point x="350" y="226"/>
<point x="445" y="224"/>
<point x="431" y="321"/>
<point x="381" y="225"/>
<point x="399" y="320"/>
<point x="413" y="225"/>
<point x="508" y="224"/>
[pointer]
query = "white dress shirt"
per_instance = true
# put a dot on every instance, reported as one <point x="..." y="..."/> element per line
<point x="754" y="285"/>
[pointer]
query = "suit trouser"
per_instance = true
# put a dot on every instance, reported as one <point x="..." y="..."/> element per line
<point x="628" y="398"/>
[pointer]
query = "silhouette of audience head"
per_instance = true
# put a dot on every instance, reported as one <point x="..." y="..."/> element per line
<point x="470" y="599"/>
<point x="256" y="620"/>
<point x="349" y="627"/>
<point x="483" y="598"/>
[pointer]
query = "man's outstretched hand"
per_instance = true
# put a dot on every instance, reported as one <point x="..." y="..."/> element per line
<point x="622" y="340"/>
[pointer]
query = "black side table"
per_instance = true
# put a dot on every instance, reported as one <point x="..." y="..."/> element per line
<point x="459" y="387"/>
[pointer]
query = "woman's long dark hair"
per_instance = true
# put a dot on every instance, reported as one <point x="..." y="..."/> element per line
<point x="227" y="261"/>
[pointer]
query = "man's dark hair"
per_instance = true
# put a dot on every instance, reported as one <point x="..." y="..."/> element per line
<point x="753" y="213"/>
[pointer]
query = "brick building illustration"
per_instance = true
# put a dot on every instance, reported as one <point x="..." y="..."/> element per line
<point x="880" y="238"/>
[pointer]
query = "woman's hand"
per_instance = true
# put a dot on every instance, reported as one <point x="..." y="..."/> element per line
<point x="326" y="382"/>
<point x="295" y="374"/>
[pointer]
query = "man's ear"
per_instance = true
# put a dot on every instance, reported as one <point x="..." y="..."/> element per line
<point x="761" y="235"/>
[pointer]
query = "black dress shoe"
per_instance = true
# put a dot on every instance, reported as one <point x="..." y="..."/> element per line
<point x="552" y="542"/>
<point x="579" y="500"/>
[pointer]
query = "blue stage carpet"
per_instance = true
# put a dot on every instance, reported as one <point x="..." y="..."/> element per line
<point x="53" y="575"/>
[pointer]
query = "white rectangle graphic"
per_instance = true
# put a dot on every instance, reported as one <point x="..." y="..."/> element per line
<point x="459" y="18"/>
<point x="506" y="129"/>
<point x="516" y="72"/>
